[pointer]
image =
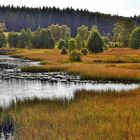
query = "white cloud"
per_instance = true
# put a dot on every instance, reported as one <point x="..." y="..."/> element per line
<point x="120" y="7"/>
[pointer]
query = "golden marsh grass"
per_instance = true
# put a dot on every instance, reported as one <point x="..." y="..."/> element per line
<point x="119" y="64"/>
<point x="92" y="115"/>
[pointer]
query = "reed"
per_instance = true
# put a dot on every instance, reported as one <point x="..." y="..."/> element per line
<point x="91" y="115"/>
<point x="119" y="64"/>
<point x="104" y="72"/>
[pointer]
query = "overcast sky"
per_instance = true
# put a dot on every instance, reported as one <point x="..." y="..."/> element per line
<point x="120" y="7"/>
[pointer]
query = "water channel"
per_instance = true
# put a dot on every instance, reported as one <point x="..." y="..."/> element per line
<point x="15" y="84"/>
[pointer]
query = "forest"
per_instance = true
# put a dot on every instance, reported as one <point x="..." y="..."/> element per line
<point x="18" y="18"/>
<point x="87" y="40"/>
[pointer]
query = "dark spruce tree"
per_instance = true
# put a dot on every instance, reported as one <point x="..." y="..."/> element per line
<point x="95" y="42"/>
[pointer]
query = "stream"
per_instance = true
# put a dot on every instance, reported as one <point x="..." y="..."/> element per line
<point x="15" y="84"/>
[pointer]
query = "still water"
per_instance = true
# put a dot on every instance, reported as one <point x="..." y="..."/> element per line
<point x="15" y="84"/>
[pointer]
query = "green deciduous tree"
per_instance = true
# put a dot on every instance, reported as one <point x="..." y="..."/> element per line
<point x="106" y="40"/>
<point x="46" y="39"/>
<point x="83" y="32"/>
<point x="122" y="31"/>
<point x="13" y="39"/>
<point x="2" y="39"/>
<point x="135" y="38"/>
<point x="42" y="38"/>
<point x="59" y="32"/>
<point x="61" y="44"/>
<point x="25" y="39"/>
<point x="79" y="41"/>
<point x="94" y="28"/>
<point x="72" y="45"/>
<point x="36" y="38"/>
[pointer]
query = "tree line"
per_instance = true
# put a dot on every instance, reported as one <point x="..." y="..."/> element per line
<point x="86" y="40"/>
<point x="18" y="18"/>
<point x="41" y="38"/>
<point x="56" y="35"/>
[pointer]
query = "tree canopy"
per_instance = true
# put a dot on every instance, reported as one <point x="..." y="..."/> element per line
<point x="2" y="39"/>
<point x="135" y="38"/>
<point x="122" y="31"/>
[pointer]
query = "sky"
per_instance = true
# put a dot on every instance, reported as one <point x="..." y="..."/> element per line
<point x="118" y="7"/>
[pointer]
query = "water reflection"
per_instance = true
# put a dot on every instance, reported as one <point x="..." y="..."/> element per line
<point x="21" y="89"/>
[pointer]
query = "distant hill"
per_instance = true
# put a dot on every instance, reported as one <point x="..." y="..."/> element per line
<point x="17" y="18"/>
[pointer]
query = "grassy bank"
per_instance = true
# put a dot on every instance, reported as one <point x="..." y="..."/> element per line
<point x="121" y="73"/>
<point x="53" y="56"/>
<point x="120" y="64"/>
<point x="92" y="115"/>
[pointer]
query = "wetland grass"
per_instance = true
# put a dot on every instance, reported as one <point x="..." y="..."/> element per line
<point x="91" y="115"/>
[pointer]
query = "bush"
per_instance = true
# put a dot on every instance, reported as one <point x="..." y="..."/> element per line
<point x="84" y="51"/>
<point x="135" y="38"/>
<point x="64" y="51"/>
<point x="61" y="44"/>
<point x="75" y="56"/>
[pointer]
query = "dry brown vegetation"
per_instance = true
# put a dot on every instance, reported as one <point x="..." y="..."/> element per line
<point x="91" y="116"/>
<point x="126" y="55"/>
<point x="121" y="64"/>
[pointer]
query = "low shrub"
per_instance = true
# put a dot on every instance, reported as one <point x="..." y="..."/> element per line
<point x="84" y="51"/>
<point x="64" y="51"/>
<point x="75" y="56"/>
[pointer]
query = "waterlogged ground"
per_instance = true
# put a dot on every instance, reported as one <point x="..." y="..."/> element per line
<point x="11" y="63"/>
<point x="15" y="84"/>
